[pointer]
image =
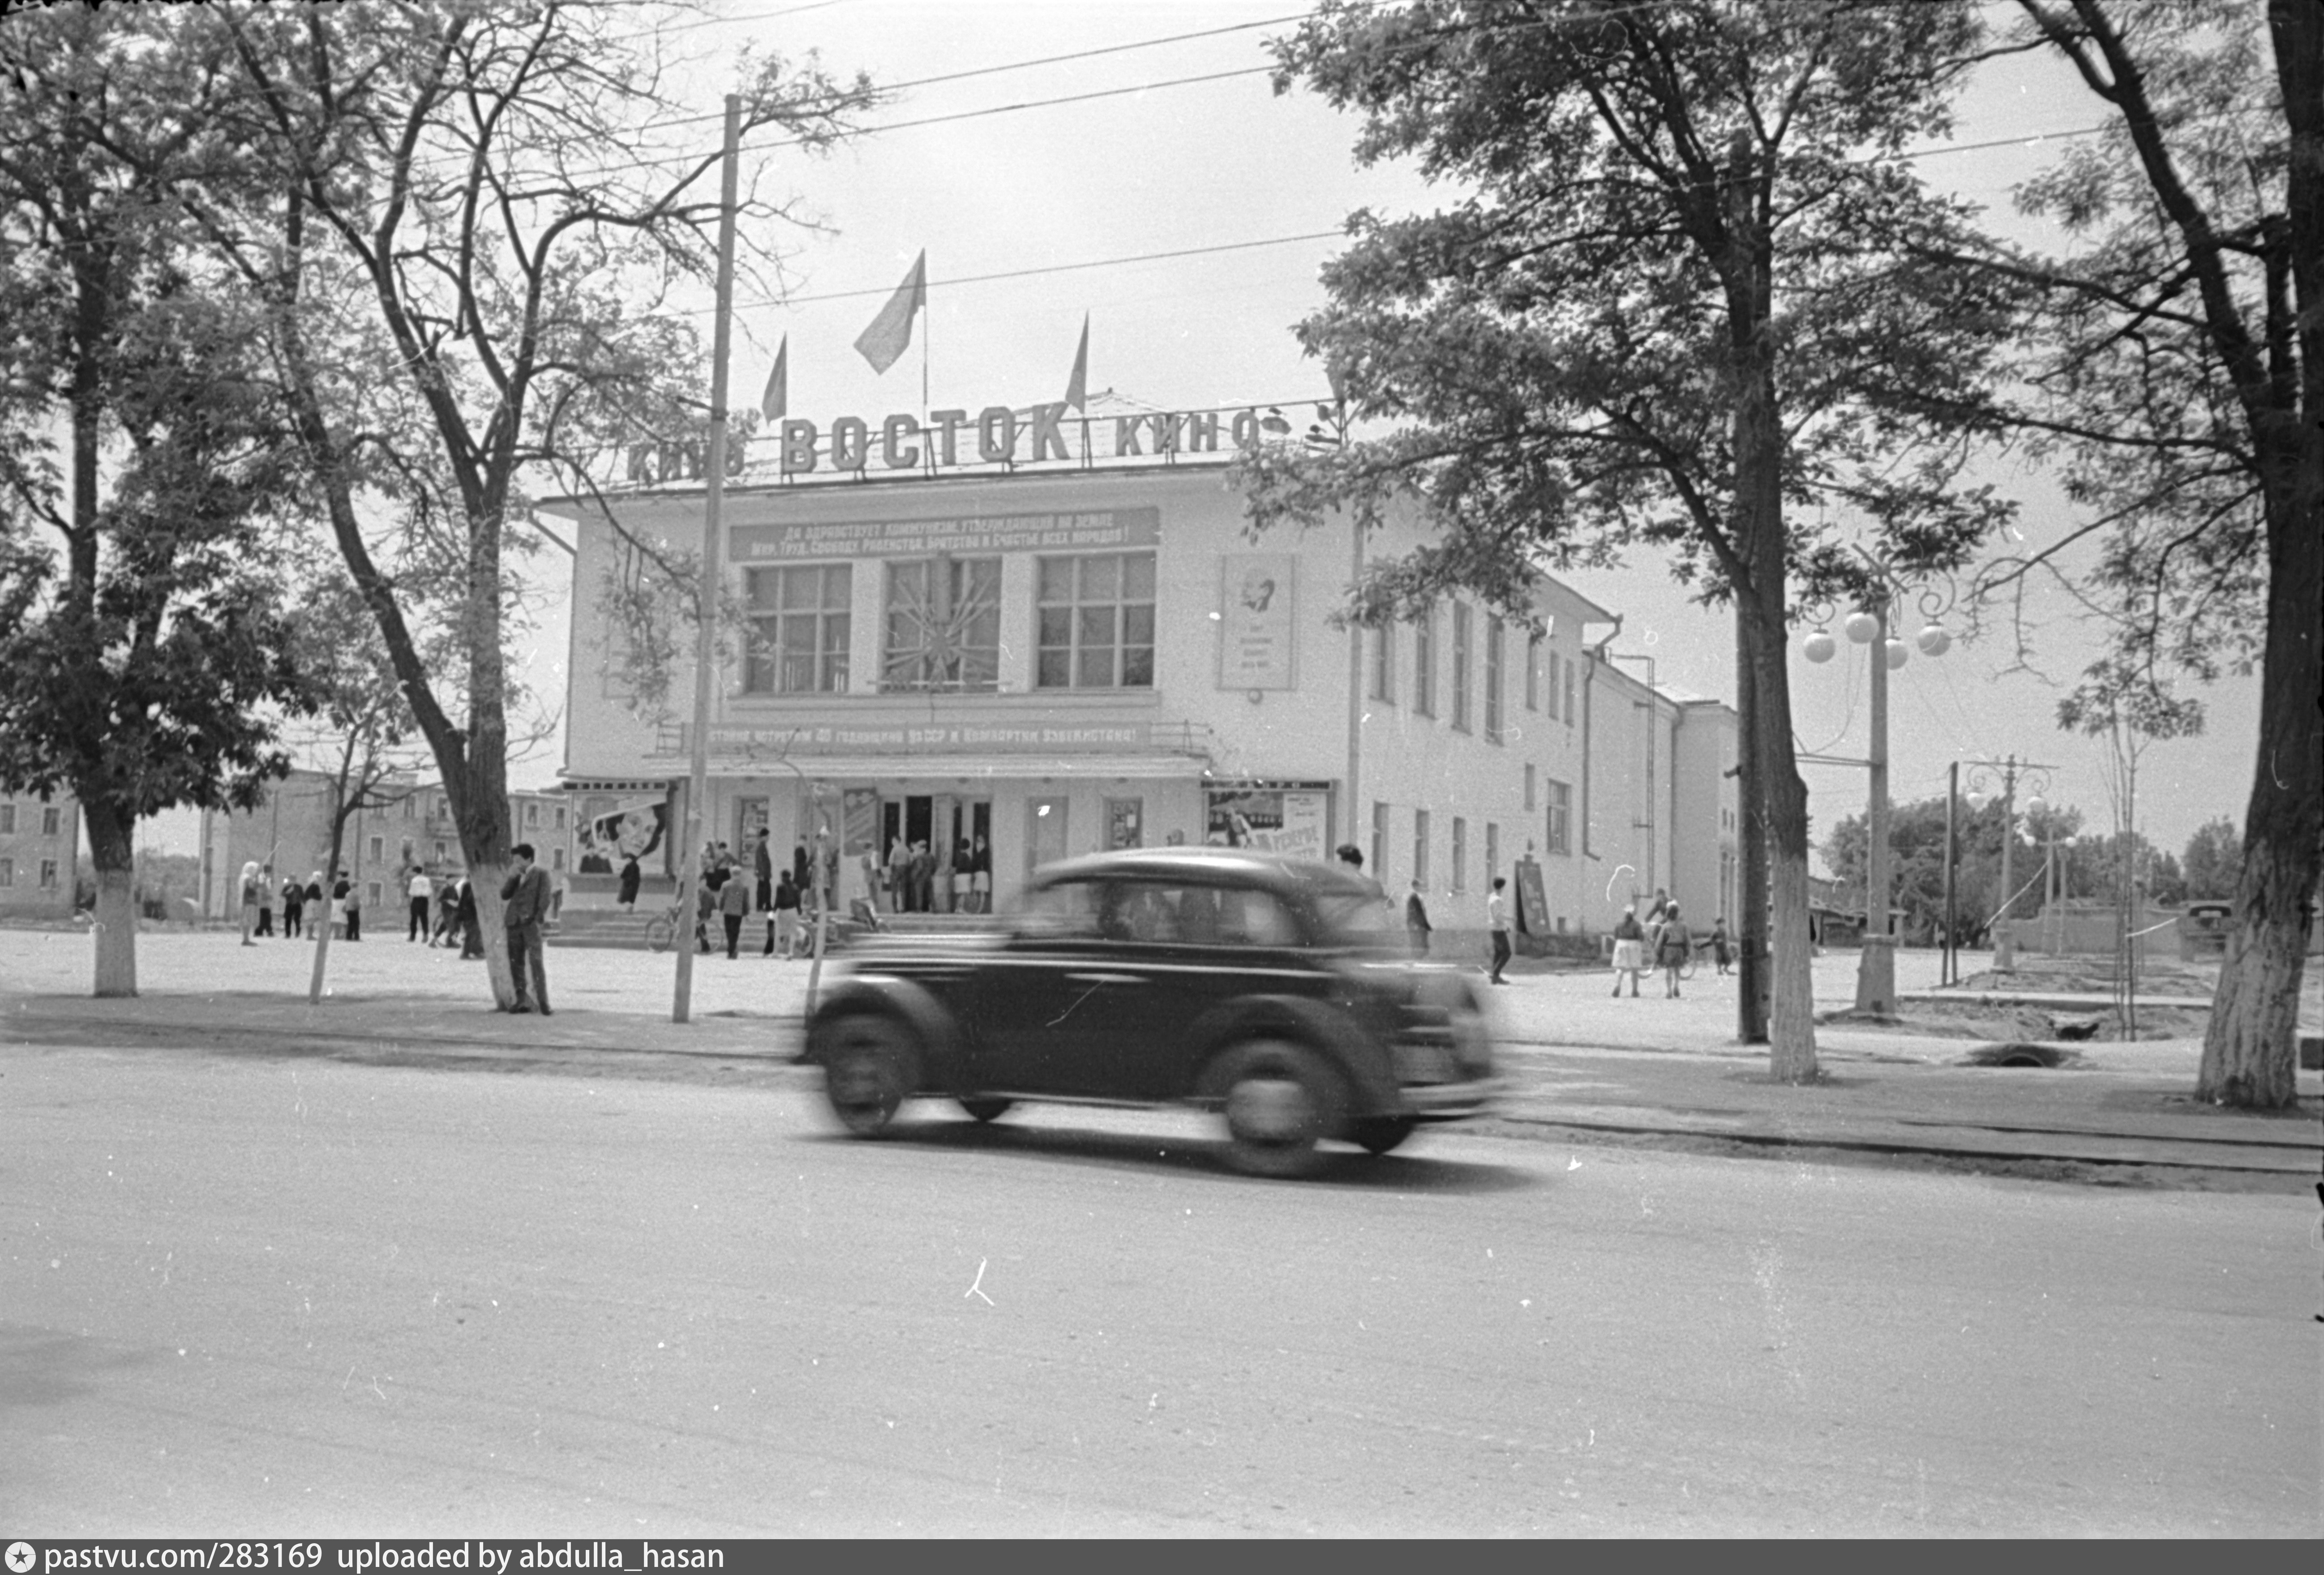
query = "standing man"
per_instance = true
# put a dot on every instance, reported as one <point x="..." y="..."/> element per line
<point x="526" y="894"/>
<point x="1415" y="921"/>
<point x="421" y="891"/>
<point x="1496" y="921"/>
<point x="733" y="907"/>
<point x="763" y="871"/>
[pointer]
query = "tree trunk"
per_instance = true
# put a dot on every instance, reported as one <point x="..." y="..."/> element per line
<point x="2251" y="1048"/>
<point x="1791" y="1020"/>
<point x="112" y="848"/>
<point x="489" y="908"/>
<point x="1751" y="812"/>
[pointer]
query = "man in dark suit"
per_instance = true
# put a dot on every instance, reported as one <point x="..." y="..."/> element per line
<point x="526" y="894"/>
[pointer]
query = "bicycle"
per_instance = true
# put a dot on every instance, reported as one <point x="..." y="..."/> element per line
<point x="662" y="928"/>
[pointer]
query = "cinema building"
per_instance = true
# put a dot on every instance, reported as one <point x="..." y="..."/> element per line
<point x="1040" y="658"/>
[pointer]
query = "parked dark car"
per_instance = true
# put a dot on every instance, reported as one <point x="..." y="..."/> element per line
<point x="1271" y="990"/>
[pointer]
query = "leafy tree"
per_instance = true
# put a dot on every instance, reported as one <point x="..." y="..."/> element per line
<point x="2213" y="861"/>
<point x="2182" y="384"/>
<point x="482" y="211"/>
<point x="1679" y="305"/>
<point x="142" y="650"/>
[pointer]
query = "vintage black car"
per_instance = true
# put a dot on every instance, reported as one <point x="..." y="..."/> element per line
<point x="1272" y="989"/>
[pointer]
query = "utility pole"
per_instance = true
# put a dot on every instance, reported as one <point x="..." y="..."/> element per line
<point x="1951" y="960"/>
<point x="705" y="641"/>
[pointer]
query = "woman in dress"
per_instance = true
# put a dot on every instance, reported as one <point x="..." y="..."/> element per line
<point x="251" y="902"/>
<point x="1629" y="950"/>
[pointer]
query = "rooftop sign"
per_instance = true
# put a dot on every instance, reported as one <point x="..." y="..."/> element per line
<point x="997" y="436"/>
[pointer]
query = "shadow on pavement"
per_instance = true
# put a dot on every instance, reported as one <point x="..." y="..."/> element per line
<point x="1344" y="1168"/>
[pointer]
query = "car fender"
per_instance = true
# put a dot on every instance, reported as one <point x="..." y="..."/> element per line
<point x="1321" y="1026"/>
<point x="909" y="1002"/>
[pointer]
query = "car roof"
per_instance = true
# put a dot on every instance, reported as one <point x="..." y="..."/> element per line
<point x="1247" y="866"/>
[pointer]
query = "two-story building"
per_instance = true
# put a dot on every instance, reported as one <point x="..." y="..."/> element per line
<point x="40" y="837"/>
<point x="1030" y="660"/>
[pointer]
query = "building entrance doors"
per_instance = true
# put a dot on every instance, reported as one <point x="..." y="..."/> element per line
<point x="940" y="822"/>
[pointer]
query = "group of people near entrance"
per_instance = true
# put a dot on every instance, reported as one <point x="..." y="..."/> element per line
<point x="863" y="887"/>
<point x="1663" y="941"/>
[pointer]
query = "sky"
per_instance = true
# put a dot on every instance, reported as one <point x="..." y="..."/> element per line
<point x="1227" y="169"/>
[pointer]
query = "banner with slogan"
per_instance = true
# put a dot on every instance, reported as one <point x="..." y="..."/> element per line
<point x="1089" y="531"/>
<point x="922" y="738"/>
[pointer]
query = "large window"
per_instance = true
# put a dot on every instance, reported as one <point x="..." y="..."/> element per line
<point x="1424" y="663"/>
<point x="943" y="625"/>
<point x="1460" y="854"/>
<point x="1379" y="842"/>
<point x="799" y="628"/>
<point x="1493" y="853"/>
<point x="1560" y="829"/>
<point x="1420" y="846"/>
<point x="1496" y="643"/>
<point x="1460" y="668"/>
<point x="1569" y="693"/>
<point x="1533" y="674"/>
<point x="1096" y="623"/>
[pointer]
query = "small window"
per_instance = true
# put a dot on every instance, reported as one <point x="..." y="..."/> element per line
<point x="560" y="817"/>
<point x="1460" y="853"/>
<point x="1420" y="847"/>
<point x="1424" y="663"/>
<point x="1496" y="643"/>
<point x="7" y="820"/>
<point x="1569" y="693"/>
<point x="1380" y="843"/>
<point x="48" y="874"/>
<point x="51" y="821"/>
<point x="378" y="849"/>
<point x="439" y="853"/>
<point x="1461" y="658"/>
<point x="7" y="872"/>
<point x="1384" y="664"/>
<point x="411" y="806"/>
<point x="1559" y="832"/>
<point x="1493" y="853"/>
<point x="1533" y="673"/>
<point x="557" y="858"/>
<point x="531" y="815"/>
<point x="1531" y="790"/>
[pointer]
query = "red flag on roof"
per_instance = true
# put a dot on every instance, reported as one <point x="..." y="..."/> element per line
<point x="891" y="333"/>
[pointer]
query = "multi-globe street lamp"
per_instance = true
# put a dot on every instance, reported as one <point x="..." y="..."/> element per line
<point x="1869" y="624"/>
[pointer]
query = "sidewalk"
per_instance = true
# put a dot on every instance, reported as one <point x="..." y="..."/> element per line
<point x="1648" y="1070"/>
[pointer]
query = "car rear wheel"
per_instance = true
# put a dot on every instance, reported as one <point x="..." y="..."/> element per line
<point x="869" y="1066"/>
<point x="985" y="1108"/>
<point x="1383" y="1134"/>
<point x="1280" y="1100"/>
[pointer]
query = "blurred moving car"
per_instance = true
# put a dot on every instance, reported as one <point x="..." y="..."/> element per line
<point x="1273" y="991"/>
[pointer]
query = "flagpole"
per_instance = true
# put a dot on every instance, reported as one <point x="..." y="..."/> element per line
<point x="706" y="634"/>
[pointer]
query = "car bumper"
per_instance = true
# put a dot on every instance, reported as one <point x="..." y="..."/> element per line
<point x="1452" y="1101"/>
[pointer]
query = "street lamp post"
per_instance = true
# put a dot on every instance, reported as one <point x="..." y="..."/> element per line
<point x="1869" y="625"/>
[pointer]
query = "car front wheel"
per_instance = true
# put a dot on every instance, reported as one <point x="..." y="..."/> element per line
<point x="1280" y="1100"/>
<point x="1382" y="1133"/>
<point x="868" y="1068"/>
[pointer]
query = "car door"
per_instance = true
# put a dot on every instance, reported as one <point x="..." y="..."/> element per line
<point x="1092" y="997"/>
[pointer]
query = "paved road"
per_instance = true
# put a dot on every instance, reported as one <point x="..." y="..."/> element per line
<point x="248" y="1296"/>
